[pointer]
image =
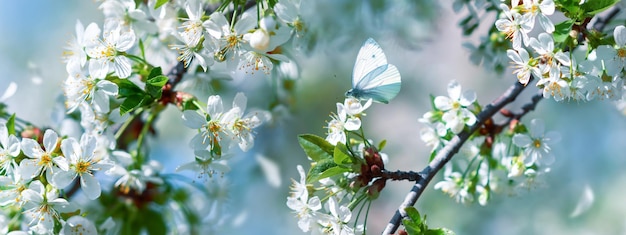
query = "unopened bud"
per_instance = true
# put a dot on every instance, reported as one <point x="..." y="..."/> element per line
<point x="260" y="40"/>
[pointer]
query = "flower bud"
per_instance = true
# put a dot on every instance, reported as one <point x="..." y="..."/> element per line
<point x="260" y="40"/>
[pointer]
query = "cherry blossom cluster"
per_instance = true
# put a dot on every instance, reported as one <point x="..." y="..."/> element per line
<point x="487" y="159"/>
<point x="34" y="169"/>
<point x="345" y="173"/>
<point x="585" y="72"/>
<point x="121" y="75"/>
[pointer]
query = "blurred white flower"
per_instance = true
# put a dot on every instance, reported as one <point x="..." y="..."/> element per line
<point x="105" y="54"/>
<point x="456" y="113"/>
<point x="536" y="144"/>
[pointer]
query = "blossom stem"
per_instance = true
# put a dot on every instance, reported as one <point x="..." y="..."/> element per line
<point x="142" y="136"/>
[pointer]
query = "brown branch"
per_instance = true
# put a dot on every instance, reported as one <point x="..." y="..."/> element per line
<point x="447" y="152"/>
<point x="401" y="175"/>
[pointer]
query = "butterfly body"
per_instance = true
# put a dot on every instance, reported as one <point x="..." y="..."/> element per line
<point x="372" y="77"/>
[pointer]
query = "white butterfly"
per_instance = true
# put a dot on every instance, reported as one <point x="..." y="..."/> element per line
<point x="372" y="77"/>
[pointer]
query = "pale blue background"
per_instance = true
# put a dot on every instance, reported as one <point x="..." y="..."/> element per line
<point x="592" y="151"/>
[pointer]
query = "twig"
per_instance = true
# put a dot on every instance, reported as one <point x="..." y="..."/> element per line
<point x="401" y="175"/>
<point x="447" y="152"/>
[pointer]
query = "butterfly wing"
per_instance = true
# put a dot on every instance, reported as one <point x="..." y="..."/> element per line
<point x="381" y="84"/>
<point x="370" y="57"/>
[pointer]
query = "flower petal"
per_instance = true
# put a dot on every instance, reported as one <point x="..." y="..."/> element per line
<point x="90" y="186"/>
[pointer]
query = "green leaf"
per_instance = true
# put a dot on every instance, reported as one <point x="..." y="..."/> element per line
<point x="131" y="103"/>
<point x="341" y="154"/>
<point x="411" y="227"/>
<point x="127" y="88"/>
<point x="561" y="31"/>
<point x="323" y="169"/>
<point x="593" y="7"/>
<point x="439" y="231"/>
<point x="412" y="213"/>
<point x="11" y="125"/>
<point x="159" y="3"/>
<point x="154" y="86"/>
<point x="317" y="148"/>
<point x="337" y="170"/>
<point x="382" y="145"/>
<point x="155" y="72"/>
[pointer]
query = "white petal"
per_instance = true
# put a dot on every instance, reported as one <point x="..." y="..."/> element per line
<point x="90" y="186"/>
<point x="468" y="98"/>
<point x="521" y="140"/>
<point x="454" y="90"/>
<point x="29" y="168"/>
<point x="352" y="124"/>
<point x="98" y="68"/>
<point x="107" y="87"/>
<point x="214" y="106"/>
<point x="31" y="148"/>
<point x="537" y="128"/>
<point x="240" y="101"/>
<point x="71" y="149"/>
<point x="193" y="119"/>
<point x="10" y="91"/>
<point x="62" y="179"/>
<point x="50" y="139"/>
<point x="125" y="41"/>
<point x="619" y="34"/>
<point x="122" y="67"/>
<point x="443" y="103"/>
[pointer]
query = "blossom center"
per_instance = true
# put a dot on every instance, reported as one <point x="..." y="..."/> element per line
<point x="45" y="159"/>
<point x="621" y="52"/>
<point x="456" y="105"/>
<point x="537" y="143"/>
<point x="82" y="167"/>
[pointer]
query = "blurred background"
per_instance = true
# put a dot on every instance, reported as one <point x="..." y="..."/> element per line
<point x="425" y="43"/>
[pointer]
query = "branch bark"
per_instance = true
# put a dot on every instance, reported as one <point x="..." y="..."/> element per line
<point x="447" y="152"/>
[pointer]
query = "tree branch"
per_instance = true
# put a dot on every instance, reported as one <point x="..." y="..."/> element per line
<point x="447" y="152"/>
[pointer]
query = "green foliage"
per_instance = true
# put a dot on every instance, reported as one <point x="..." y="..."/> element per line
<point x="341" y="154"/>
<point x="11" y="125"/>
<point x="317" y="148"/>
<point x="415" y="225"/>
<point x="135" y="96"/>
<point x="593" y="7"/>
<point x="562" y="30"/>
<point x="160" y="3"/>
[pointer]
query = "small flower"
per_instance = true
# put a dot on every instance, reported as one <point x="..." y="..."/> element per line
<point x="337" y="222"/>
<point x="545" y="48"/>
<point x="524" y="65"/>
<point x="542" y="11"/>
<point x="456" y="113"/>
<point x="339" y="123"/>
<point x="614" y="57"/>
<point x="82" y="164"/>
<point x="306" y="210"/>
<point x="80" y="87"/>
<point x="78" y="225"/>
<point x="40" y="160"/>
<point x="554" y="86"/>
<point x="75" y="54"/>
<point x="454" y="185"/>
<point x="9" y="149"/>
<point x="193" y="25"/>
<point x="42" y="208"/>
<point x="226" y="42"/>
<point x="298" y="188"/>
<point x="241" y="125"/>
<point x="137" y="179"/>
<point x="515" y="26"/>
<point x="536" y="145"/>
<point x="212" y="132"/>
<point x="13" y="186"/>
<point x="108" y="54"/>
